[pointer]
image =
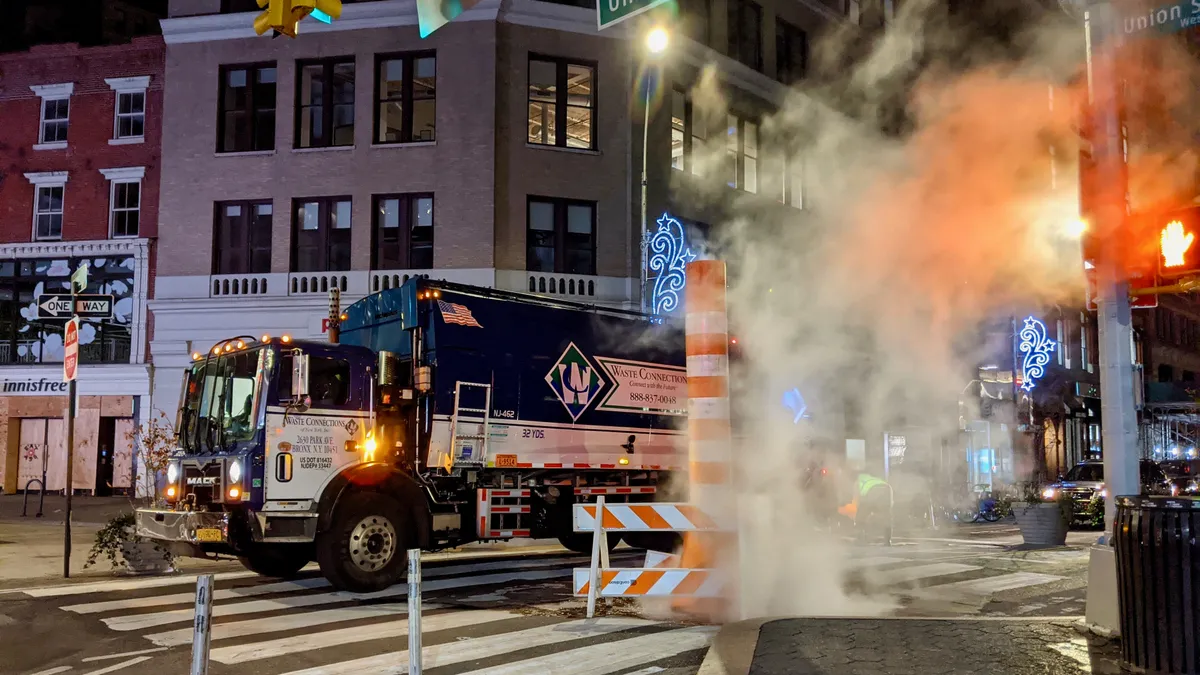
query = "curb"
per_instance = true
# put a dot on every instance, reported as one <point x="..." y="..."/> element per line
<point x="732" y="650"/>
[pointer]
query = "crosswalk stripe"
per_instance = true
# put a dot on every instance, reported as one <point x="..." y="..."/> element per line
<point x="131" y="584"/>
<point x="183" y="598"/>
<point x="1003" y="582"/>
<point x="610" y="657"/>
<point x="272" y="624"/>
<point x="907" y="574"/>
<point x="131" y="622"/>
<point x="877" y="561"/>
<point x="257" y="651"/>
<point x="285" y="586"/>
<point x="450" y="653"/>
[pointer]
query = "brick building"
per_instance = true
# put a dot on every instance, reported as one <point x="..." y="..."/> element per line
<point x="79" y="166"/>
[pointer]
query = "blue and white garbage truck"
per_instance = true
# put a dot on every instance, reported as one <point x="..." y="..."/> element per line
<point x="437" y="414"/>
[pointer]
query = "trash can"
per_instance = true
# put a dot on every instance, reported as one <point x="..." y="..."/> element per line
<point x="1158" y="583"/>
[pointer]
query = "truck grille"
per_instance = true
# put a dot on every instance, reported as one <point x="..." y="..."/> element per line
<point x="203" y="481"/>
<point x="1081" y="496"/>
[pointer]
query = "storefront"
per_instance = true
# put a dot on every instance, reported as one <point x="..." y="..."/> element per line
<point x="114" y="382"/>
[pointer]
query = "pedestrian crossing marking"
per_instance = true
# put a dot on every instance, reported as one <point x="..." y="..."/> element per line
<point x="300" y="584"/>
<point x="1004" y="582"/>
<point x="274" y="624"/>
<point x="139" y="621"/>
<point x="909" y="574"/>
<point x="450" y="653"/>
<point x="610" y="657"/>
<point x="257" y="651"/>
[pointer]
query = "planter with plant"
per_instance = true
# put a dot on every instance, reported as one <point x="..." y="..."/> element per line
<point x="1042" y="521"/>
<point x="118" y="541"/>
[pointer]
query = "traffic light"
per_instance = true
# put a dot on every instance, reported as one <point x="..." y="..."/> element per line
<point x="1178" y="249"/>
<point x="283" y="16"/>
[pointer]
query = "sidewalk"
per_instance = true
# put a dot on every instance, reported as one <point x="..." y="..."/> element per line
<point x="794" y="646"/>
<point x="31" y="549"/>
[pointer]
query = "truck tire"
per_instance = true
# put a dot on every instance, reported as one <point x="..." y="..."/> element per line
<point x="363" y="550"/>
<point x="581" y="542"/>
<point x="282" y="561"/>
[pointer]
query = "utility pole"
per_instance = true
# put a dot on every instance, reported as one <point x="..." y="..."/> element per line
<point x="1109" y="209"/>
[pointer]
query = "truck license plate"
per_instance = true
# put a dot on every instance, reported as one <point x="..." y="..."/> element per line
<point x="209" y="534"/>
<point x="506" y="460"/>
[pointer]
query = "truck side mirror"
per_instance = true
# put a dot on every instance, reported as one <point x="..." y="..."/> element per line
<point x="299" y="377"/>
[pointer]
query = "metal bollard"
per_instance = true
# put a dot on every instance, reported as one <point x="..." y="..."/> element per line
<point x="414" y="611"/>
<point x="202" y="634"/>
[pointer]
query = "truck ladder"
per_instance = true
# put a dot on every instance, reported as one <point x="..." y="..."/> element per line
<point x="469" y="427"/>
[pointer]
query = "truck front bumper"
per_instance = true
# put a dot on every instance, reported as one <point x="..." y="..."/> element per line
<point x="189" y="533"/>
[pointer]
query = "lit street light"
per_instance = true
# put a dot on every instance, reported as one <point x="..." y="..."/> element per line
<point x="656" y="43"/>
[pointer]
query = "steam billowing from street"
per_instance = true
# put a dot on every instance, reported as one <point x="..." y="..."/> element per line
<point x="940" y="196"/>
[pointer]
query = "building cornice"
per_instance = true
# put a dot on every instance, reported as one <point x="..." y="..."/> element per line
<point x="125" y="173"/>
<point x="98" y="248"/>
<point x="127" y="85"/>
<point x="52" y="91"/>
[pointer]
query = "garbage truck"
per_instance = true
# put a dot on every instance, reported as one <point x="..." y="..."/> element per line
<point x="437" y="414"/>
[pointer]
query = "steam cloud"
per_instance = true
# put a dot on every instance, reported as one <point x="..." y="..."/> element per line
<point x="941" y="183"/>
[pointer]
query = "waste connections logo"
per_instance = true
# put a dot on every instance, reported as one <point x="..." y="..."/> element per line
<point x="575" y="381"/>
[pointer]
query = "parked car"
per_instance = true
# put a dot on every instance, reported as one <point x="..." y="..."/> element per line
<point x="1184" y="474"/>
<point x="1085" y="481"/>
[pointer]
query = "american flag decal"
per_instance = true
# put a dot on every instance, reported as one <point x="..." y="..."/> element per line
<point x="456" y="313"/>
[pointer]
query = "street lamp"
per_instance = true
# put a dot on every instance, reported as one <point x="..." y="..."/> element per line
<point x="656" y="44"/>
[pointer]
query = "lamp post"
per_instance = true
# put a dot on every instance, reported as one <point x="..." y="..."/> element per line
<point x="656" y="44"/>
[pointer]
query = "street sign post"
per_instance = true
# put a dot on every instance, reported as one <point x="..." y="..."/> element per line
<point x="70" y="373"/>
<point x="65" y="305"/>
<point x="612" y="12"/>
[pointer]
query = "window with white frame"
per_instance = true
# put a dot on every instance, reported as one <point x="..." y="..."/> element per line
<point x="125" y="200"/>
<point x="55" y="115"/>
<point x="48" y="189"/>
<point x="129" y="115"/>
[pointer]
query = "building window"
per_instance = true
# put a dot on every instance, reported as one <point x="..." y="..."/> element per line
<point x="321" y="235"/>
<point x="325" y="103"/>
<point x="695" y="15"/>
<point x="406" y="102"/>
<point x="741" y="150"/>
<point x="745" y="33"/>
<point x="561" y="237"/>
<point x="403" y="232"/>
<point x="129" y="121"/>
<point x="687" y="133"/>
<point x="853" y="10"/>
<point x="1059" y="335"/>
<point x="48" y="189"/>
<point x="26" y="339"/>
<point x="55" y="115"/>
<point x="125" y="200"/>
<point x="247" y="109"/>
<point x="561" y="103"/>
<point x="791" y="52"/>
<point x="1085" y="359"/>
<point x="242" y="238"/>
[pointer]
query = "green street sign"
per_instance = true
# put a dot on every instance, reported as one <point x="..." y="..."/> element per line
<point x="612" y="12"/>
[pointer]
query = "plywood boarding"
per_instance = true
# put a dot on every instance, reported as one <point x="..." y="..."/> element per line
<point x="123" y="454"/>
<point x="116" y="406"/>
<point x="33" y="448"/>
<point x="87" y="447"/>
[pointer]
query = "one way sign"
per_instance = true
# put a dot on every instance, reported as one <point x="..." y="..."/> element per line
<point x="58" y="306"/>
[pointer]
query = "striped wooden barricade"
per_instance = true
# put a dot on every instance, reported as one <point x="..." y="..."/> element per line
<point x="599" y="580"/>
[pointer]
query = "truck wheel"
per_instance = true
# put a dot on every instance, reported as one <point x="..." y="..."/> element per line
<point x="581" y="542"/>
<point x="363" y="549"/>
<point x="276" y="560"/>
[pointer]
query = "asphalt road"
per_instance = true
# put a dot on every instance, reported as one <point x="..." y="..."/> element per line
<point x="497" y="613"/>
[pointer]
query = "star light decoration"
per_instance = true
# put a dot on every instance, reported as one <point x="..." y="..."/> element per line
<point x="669" y="258"/>
<point x="1036" y="346"/>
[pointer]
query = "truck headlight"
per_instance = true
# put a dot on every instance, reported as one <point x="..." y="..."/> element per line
<point x="1048" y="493"/>
<point x="235" y="471"/>
<point x="172" y="472"/>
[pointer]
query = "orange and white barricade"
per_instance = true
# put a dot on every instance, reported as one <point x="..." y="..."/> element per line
<point x="659" y="578"/>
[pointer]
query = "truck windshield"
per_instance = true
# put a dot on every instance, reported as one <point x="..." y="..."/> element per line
<point x="219" y="402"/>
